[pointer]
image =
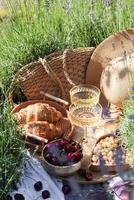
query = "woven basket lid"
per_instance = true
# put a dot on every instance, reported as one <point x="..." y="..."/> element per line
<point x="50" y="75"/>
<point x="112" y="47"/>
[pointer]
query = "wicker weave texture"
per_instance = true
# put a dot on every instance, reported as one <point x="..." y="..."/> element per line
<point x="69" y="67"/>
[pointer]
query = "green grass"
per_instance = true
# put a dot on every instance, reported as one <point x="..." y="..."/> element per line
<point x="11" y="150"/>
<point x="30" y="31"/>
<point x="36" y="30"/>
<point x="127" y="127"/>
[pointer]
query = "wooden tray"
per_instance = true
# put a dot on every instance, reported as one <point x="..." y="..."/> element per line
<point x="98" y="177"/>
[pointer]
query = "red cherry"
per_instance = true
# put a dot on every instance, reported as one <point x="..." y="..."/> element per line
<point x="70" y="156"/>
<point x="71" y="148"/>
<point x="77" y="155"/>
<point x="45" y="194"/>
<point x="66" y="189"/>
<point x="63" y="143"/>
<point x="88" y="176"/>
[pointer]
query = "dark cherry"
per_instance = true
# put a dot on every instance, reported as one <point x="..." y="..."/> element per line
<point x="8" y="197"/>
<point x="70" y="156"/>
<point x="63" y="143"/>
<point x="63" y="152"/>
<point x="71" y="148"/>
<point x="88" y="176"/>
<point x="18" y="196"/>
<point x="77" y="155"/>
<point x="45" y="194"/>
<point x="38" y="186"/>
<point x="66" y="189"/>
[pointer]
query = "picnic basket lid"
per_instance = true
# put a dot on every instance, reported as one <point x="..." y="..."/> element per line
<point x="55" y="74"/>
<point x="112" y="47"/>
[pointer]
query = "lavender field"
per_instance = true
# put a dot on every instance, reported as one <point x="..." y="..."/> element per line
<point x="31" y="29"/>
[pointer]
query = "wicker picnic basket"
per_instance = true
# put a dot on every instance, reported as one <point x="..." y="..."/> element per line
<point x="55" y="75"/>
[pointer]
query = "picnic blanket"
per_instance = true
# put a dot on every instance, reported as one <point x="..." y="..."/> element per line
<point x="33" y="171"/>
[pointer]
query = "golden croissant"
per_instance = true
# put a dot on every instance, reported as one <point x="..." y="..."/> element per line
<point x="38" y="112"/>
<point x="48" y="130"/>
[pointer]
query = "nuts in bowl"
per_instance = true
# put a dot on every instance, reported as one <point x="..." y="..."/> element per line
<point x="62" y="157"/>
<point x="110" y="152"/>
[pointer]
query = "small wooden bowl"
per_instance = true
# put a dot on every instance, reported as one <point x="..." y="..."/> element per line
<point x="109" y="168"/>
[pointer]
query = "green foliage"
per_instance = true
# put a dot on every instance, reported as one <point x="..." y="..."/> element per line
<point x="127" y="127"/>
<point x="11" y="150"/>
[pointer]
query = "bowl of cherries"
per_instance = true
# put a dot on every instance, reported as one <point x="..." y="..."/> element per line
<point x="62" y="157"/>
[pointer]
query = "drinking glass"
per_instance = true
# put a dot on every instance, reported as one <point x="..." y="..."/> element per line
<point x="85" y="94"/>
<point x="85" y="116"/>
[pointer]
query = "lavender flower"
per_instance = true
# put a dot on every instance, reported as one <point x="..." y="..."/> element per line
<point x="67" y="6"/>
<point x="106" y="2"/>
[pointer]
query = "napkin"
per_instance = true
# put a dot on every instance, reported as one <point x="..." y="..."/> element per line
<point x="33" y="172"/>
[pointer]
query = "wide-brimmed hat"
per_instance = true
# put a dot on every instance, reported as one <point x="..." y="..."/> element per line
<point x="114" y="46"/>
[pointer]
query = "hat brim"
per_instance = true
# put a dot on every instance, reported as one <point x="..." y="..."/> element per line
<point x="112" y="47"/>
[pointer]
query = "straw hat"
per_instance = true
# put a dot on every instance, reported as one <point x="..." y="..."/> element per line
<point x="114" y="46"/>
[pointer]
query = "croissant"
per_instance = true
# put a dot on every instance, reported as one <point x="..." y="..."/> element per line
<point x="48" y="130"/>
<point x="43" y="129"/>
<point x="38" y="112"/>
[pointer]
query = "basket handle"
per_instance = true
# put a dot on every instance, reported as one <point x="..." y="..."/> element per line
<point x="52" y="74"/>
<point x="65" y="68"/>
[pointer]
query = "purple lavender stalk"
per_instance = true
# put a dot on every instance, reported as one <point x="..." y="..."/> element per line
<point x="106" y="2"/>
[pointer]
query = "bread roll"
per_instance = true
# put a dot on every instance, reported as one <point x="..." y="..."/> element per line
<point x="38" y="112"/>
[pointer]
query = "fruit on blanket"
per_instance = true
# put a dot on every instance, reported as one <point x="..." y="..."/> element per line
<point x="19" y="196"/>
<point x="8" y="197"/>
<point x="66" y="189"/>
<point x="38" y="112"/>
<point x="38" y="186"/>
<point x="45" y="194"/>
<point x="62" y="152"/>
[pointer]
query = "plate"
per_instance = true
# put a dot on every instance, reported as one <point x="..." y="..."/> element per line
<point x="112" y="47"/>
<point x="110" y="168"/>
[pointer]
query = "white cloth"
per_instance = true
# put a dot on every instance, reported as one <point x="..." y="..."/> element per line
<point x="33" y="172"/>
